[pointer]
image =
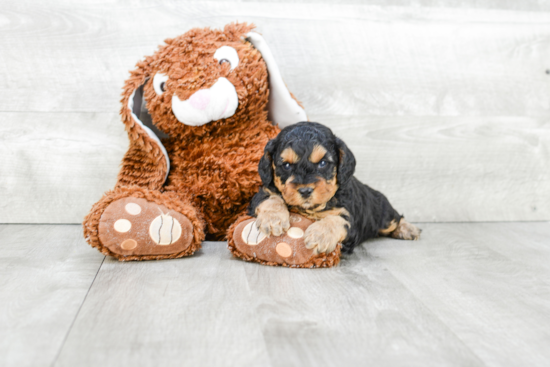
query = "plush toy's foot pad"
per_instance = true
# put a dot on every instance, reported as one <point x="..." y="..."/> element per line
<point x="248" y="243"/>
<point x="134" y="226"/>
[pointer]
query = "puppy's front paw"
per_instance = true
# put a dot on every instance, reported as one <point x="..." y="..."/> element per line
<point x="273" y="222"/>
<point x="321" y="238"/>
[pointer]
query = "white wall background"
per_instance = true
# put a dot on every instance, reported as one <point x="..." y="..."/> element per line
<point x="446" y="104"/>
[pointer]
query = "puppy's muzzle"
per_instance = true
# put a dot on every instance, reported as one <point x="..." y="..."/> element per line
<point x="305" y="192"/>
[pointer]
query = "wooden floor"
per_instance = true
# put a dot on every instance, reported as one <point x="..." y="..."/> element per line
<point x="467" y="294"/>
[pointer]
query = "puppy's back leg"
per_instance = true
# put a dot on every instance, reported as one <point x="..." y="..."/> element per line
<point x="401" y="230"/>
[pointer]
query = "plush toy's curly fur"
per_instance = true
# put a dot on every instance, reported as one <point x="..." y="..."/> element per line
<point x="213" y="171"/>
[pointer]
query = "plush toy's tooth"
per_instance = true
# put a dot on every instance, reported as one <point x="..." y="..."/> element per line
<point x="283" y="249"/>
<point x="132" y="208"/>
<point x="128" y="244"/>
<point x="122" y="225"/>
<point x="295" y="232"/>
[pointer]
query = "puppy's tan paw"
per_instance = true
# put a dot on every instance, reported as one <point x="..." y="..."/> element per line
<point x="321" y="238"/>
<point x="406" y="231"/>
<point x="273" y="222"/>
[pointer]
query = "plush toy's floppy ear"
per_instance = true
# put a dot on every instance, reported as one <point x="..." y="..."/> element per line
<point x="146" y="163"/>
<point x="265" y="167"/>
<point x="346" y="163"/>
<point x="283" y="109"/>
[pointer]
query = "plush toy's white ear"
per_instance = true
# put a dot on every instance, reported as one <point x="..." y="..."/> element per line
<point x="283" y="109"/>
<point x="140" y="114"/>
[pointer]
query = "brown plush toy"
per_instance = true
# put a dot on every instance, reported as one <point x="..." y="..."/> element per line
<point x="198" y="113"/>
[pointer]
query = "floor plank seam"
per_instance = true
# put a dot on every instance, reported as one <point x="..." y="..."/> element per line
<point x="77" y="313"/>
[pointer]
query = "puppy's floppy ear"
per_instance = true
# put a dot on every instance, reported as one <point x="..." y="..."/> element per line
<point x="265" y="168"/>
<point x="346" y="163"/>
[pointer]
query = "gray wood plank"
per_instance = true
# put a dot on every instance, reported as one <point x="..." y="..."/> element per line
<point x="214" y="310"/>
<point x="339" y="59"/>
<point x="358" y="314"/>
<point x="466" y="294"/>
<point x="187" y="312"/>
<point x="448" y="299"/>
<point x="526" y="243"/>
<point x="526" y="5"/>
<point x="56" y="165"/>
<point x="484" y="282"/>
<point x="45" y="273"/>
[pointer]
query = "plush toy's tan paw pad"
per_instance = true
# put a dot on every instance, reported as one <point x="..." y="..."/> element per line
<point x="250" y="243"/>
<point x="135" y="226"/>
<point x="251" y="234"/>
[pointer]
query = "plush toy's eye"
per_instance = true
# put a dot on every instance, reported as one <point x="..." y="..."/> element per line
<point x="286" y="166"/>
<point x="227" y="54"/>
<point x="322" y="164"/>
<point x="159" y="83"/>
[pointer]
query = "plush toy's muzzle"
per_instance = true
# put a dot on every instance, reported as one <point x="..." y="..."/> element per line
<point x="206" y="105"/>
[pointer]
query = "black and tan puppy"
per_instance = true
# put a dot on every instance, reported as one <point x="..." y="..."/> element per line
<point x="308" y="170"/>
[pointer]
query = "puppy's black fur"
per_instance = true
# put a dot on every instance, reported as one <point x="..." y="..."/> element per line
<point x="369" y="210"/>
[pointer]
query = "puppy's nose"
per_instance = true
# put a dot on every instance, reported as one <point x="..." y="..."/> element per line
<point x="305" y="191"/>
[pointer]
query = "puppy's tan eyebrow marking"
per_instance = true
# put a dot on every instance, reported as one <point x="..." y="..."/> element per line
<point x="317" y="154"/>
<point x="290" y="156"/>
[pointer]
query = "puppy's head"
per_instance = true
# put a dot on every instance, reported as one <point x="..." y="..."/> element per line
<point x="307" y="164"/>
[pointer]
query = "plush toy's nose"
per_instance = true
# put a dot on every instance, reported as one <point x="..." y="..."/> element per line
<point x="218" y="102"/>
<point x="200" y="99"/>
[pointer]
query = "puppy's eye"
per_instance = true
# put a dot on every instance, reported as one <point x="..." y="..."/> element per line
<point x="286" y="166"/>
<point x="322" y="164"/>
<point x="159" y="83"/>
<point x="227" y="54"/>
